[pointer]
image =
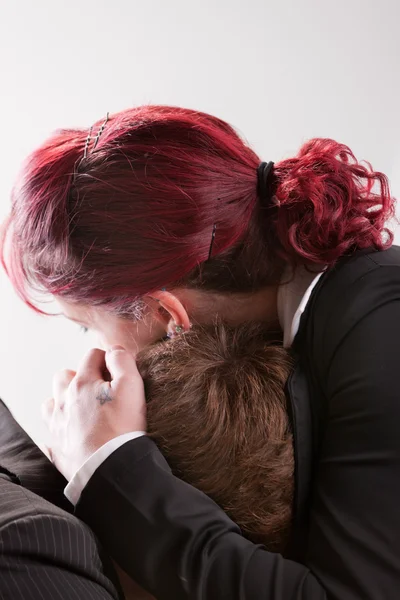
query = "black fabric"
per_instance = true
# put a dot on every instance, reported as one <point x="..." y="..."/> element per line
<point x="20" y="455"/>
<point x="45" y="551"/>
<point x="266" y="181"/>
<point x="351" y="341"/>
<point x="297" y="392"/>
<point x="6" y="474"/>
<point x="178" y="544"/>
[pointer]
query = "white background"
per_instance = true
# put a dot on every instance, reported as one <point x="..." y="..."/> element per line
<point x="281" y="71"/>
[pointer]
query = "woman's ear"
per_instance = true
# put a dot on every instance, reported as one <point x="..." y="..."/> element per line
<point x="172" y="312"/>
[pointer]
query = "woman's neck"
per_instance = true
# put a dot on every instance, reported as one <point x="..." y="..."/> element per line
<point x="235" y="309"/>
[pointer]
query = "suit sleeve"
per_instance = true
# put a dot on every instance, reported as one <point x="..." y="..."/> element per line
<point x="43" y="557"/>
<point x="175" y="541"/>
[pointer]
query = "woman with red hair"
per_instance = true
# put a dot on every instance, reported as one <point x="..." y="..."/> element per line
<point x="161" y="217"/>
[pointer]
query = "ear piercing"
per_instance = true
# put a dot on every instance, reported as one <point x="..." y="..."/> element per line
<point x="177" y="330"/>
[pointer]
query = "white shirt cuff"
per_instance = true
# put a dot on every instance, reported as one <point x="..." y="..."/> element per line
<point x="75" y="487"/>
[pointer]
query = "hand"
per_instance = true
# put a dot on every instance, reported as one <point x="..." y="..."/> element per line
<point x="103" y="400"/>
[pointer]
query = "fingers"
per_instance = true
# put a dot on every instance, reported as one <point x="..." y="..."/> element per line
<point x="92" y="366"/>
<point x="47" y="410"/>
<point x="121" y="363"/>
<point x="61" y="381"/>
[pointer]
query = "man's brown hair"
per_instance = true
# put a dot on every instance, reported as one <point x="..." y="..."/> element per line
<point x="217" y="410"/>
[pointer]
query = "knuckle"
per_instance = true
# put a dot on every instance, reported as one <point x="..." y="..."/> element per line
<point x="93" y="353"/>
<point x="127" y="379"/>
<point x="78" y="384"/>
<point x="63" y="378"/>
<point x="59" y="376"/>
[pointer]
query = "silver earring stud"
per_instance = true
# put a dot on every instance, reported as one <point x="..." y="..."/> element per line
<point x="177" y="330"/>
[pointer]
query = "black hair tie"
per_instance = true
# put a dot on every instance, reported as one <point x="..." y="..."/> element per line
<point x="266" y="181"/>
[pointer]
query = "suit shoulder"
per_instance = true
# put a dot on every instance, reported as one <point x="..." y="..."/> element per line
<point x="17" y="504"/>
<point x="346" y="295"/>
<point x="360" y="282"/>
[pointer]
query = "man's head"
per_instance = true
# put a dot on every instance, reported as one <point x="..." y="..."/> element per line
<point x="217" y="410"/>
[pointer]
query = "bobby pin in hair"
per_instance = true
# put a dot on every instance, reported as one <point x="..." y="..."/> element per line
<point x="89" y="137"/>
<point x="212" y="241"/>
<point x="96" y="139"/>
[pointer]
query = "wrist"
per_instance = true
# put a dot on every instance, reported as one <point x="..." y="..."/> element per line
<point x="79" y="479"/>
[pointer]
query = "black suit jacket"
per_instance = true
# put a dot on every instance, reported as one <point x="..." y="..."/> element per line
<point x="46" y="553"/>
<point x="345" y="404"/>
